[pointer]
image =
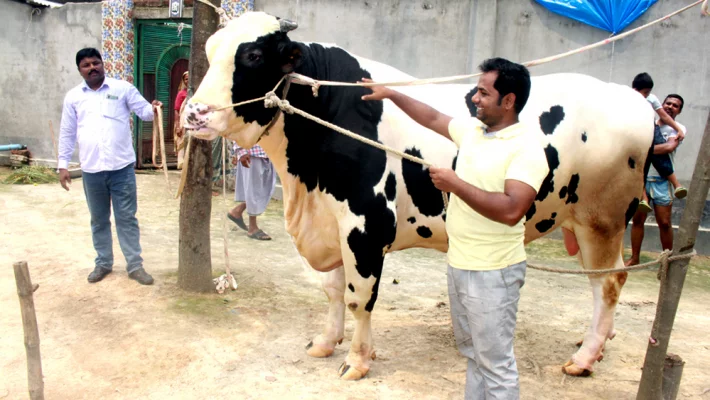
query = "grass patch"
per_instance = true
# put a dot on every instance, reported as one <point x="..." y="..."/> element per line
<point x="205" y="305"/>
<point x="32" y="175"/>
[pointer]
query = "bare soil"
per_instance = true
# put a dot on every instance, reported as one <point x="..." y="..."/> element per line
<point x="119" y="340"/>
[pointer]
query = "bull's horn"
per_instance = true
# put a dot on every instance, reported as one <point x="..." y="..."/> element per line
<point x="287" y="26"/>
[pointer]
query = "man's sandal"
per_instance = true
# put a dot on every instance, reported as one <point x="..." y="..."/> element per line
<point x="239" y="221"/>
<point x="259" y="235"/>
<point x="681" y="192"/>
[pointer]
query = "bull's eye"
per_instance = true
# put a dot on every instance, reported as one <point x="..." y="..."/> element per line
<point x="253" y="57"/>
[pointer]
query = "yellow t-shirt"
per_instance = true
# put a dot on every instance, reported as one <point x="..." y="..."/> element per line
<point x="486" y="161"/>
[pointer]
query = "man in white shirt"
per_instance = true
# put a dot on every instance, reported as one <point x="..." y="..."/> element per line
<point x="96" y="114"/>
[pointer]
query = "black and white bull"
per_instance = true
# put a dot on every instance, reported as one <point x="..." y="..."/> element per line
<point x="347" y="204"/>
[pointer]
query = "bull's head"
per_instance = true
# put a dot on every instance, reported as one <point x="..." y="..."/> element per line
<point x="247" y="58"/>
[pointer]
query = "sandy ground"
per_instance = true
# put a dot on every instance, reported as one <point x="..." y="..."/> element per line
<point x="119" y="340"/>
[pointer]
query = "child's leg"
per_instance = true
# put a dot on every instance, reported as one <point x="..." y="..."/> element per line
<point x="674" y="181"/>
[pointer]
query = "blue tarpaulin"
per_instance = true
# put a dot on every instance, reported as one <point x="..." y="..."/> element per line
<point x="609" y="15"/>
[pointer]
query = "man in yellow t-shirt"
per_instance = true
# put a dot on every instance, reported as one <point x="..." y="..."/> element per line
<point x="500" y="167"/>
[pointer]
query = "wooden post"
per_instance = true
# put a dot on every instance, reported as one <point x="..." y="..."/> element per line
<point x="29" y="325"/>
<point x="194" y="252"/>
<point x="651" y="385"/>
<point x="672" y="372"/>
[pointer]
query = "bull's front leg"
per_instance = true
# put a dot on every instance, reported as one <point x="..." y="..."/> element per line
<point x="363" y="267"/>
<point x="323" y="345"/>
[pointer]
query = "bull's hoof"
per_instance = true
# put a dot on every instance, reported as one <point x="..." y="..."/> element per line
<point x="320" y="349"/>
<point x="350" y="373"/>
<point x="572" y="369"/>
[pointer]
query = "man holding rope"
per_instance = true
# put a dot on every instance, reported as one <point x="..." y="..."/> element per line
<point x="97" y="115"/>
<point x="501" y="166"/>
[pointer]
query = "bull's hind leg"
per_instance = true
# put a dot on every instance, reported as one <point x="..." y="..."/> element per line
<point x="599" y="249"/>
<point x="323" y="345"/>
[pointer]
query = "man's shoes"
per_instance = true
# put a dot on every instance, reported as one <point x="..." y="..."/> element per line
<point x="98" y="274"/>
<point x="141" y="277"/>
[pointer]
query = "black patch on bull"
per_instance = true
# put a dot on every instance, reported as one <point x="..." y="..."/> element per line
<point x="550" y="119"/>
<point x="469" y="102"/>
<point x="584" y="137"/>
<point x="633" y="206"/>
<point x="545" y="225"/>
<point x="570" y="191"/>
<point x="351" y="287"/>
<point x="632" y="163"/>
<point x="411" y="220"/>
<point x="391" y="187"/>
<point x="531" y="212"/>
<point x="424" y="232"/>
<point x="425" y="196"/>
<point x="553" y="161"/>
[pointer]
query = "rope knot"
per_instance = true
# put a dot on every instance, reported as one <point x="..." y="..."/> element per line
<point x="285" y="106"/>
<point x="271" y="100"/>
<point x="663" y="260"/>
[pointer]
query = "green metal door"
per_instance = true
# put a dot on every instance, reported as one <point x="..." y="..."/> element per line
<point x="160" y="45"/>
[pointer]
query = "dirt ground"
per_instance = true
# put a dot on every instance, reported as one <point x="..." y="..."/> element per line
<point x="119" y="340"/>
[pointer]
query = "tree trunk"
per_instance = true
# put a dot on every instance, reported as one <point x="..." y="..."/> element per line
<point x="650" y="387"/>
<point x="195" y="264"/>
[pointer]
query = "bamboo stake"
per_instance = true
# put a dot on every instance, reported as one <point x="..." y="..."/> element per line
<point x="25" y="289"/>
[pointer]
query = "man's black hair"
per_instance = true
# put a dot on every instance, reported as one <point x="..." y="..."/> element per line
<point x="87" y="52"/>
<point x="642" y="81"/>
<point x="676" y="96"/>
<point x="512" y="78"/>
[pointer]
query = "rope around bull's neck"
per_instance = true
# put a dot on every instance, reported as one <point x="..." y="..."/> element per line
<point x="272" y="100"/>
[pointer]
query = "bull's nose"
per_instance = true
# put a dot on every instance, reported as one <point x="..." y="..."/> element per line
<point x="196" y="115"/>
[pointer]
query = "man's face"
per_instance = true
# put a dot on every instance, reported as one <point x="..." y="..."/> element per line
<point x="489" y="109"/>
<point x="92" y="70"/>
<point x="672" y="106"/>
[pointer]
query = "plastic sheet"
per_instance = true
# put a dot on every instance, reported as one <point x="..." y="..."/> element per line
<point x="609" y="15"/>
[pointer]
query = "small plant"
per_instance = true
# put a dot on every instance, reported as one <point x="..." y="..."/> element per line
<point x="32" y="175"/>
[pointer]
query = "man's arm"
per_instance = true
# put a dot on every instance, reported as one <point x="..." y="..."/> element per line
<point x="139" y="105"/>
<point x="507" y="207"/>
<point x="667" y="147"/>
<point x="423" y="114"/>
<point x="67" y="140"/>
<point x="666" y="119"/>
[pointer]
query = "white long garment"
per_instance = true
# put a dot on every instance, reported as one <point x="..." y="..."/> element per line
<point x="99" y="120"/>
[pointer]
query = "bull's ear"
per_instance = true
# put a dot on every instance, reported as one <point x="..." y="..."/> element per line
<point x="291" y="56"/>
